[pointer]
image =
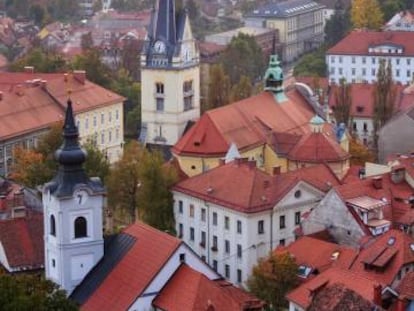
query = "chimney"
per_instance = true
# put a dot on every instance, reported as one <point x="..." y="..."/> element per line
<point x="377" y="182"/>
<point x="80" y="75"/>
<point x="378" y="295"/>
<point x="400" y="304"/>
<point x="28" y="69"/>
<point x="43" y="84"/>
<point x="276" y="170"/>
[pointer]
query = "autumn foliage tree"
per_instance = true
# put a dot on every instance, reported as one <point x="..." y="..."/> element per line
<point x="360" y="154"/>
<point x="343" y="103"/>
<point x="272" y="278"/>
<point x="241" y="90"/>
<point x="366" y="14"/>
<point x="218" y="89"/>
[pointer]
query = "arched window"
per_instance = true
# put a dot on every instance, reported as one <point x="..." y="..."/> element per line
<point x="80" y="227"/>
<point x="52" y="225"/>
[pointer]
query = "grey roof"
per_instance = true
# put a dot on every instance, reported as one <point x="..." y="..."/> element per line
<point x="116" y="247"/>
<point x="285" y="8"/>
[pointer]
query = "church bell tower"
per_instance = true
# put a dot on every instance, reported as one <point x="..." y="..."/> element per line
<point x="170" y="75"/>
<point x="73" y="206"/>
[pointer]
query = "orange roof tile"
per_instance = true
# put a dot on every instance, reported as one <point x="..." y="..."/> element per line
<point x="303" y="294"/>
<point x="22" y="241"/>
<point x="317" y="254"/>
<point x="318" y="147"/>
<point x="394" y="242"/>
<point x="406" y="287"/>
<point x="191" y="290"/>
<point x="241" y="186"/>
<point x="136" y="269"/>
<point x="246" y="123"/>
<point x="358" y="42"/>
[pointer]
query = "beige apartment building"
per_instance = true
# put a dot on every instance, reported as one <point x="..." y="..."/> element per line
<point x="32" y="102"/>
<point x="299" y="22"/>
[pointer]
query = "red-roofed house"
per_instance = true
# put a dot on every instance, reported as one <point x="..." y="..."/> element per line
<point x="235" y="213"/>
<point x="356" y="57"/>
<point x="32" y="102"/>
<point x="144" y="268"/>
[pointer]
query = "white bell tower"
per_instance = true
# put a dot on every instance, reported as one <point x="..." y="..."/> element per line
<point x="73" y="207"/>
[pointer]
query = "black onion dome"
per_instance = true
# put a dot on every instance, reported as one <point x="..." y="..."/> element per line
<point x="70" y="152"/>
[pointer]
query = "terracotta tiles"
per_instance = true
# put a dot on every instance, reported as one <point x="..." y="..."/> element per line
<point x="406" y="287"/>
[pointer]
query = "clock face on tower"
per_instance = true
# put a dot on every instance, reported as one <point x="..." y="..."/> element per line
<point x="80" y="196"/>
<point x="159" y="46"/>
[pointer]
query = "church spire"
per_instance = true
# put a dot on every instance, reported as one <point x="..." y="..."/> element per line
<point x="274" y="79"/>
<point x="71" y="157"/>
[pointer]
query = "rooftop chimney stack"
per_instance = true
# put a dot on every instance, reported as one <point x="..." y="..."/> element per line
<point x="80" y="75"/>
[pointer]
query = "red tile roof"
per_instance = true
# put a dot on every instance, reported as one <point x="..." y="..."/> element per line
<point x="22" y="241"/>
<point x="317" y="254"/>
<point x="191" y="290"/>
<point x="318" y="147"/>
<point x="241" y="186"/>
<point x="378" y="251"/>
<point x="135" y="271"/>
<point x="406" y="287"/>
<point x="28" y="106"/>
<point x="358" y="42"/>
<point x="246" y="123"/>
<point x="303" y="294"/>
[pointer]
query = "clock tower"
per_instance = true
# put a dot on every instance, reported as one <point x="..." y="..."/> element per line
<point x="73" y="206"/>
<point x="170" y="77"/>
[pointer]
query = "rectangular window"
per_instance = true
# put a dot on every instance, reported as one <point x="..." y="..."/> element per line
<point x="282" y="242"/>
<point x="110" y="116"/>
<point x="340" y="59"/>
<point x="297" y="218"/>
<point x="239" y="251"/>
<point x="215" y="264"/>
<point x="353" y="59"/>
<point x="239" y="276"/>
<point x="397" y="72"/>
<point x="203" y="215"/>
<point x="227" y="271"/>
<point x="214" y="247"/>
<point x="191" y="210"/>
<point x="364" y="72"/>
<point x="180" y="207"/>
<point x="160" y="104"/>
<point x="260" y="227"/>
<point x="226" y="222"/>
<point x="408" y="73"/>
<point x="340" y="71"/>
<point x="203" y="239"/>
<point x="354" y="126"/>
<point x="239" y="226"/>
<point x="363" y="60"/>
<point x="102" y="138"/>
<point x="116" y="114"/>
<point x="373" y="60"/>
<point x="332" y="59"/>
<point x="180" y="230"/>
<point x="365" y="127"/>
<point x="332" y="71"/>
<point x="227" y="246"/>
<point x="282" y="224"/>
<point x="214" y="219"/>
<point x="192" y="234"/>
<point x="188" y="95"/>
<point x="94" y="121"/>
<point x="373" y="72"/>
<point x="408" y="61"/>
<point x="102" y="118"/>
<point x="86" y="123"/>
<point x="397" y="61"/>
<point x="353" y="71"/>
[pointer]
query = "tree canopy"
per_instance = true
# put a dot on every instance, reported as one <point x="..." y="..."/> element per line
<point x="366" y="14"/>
<point x="343" y="103"/>
<point x="272" y="278"/>
<point x="312" y="64"/>
<point x="337" y="26"/>
<point x="32" y="292"/>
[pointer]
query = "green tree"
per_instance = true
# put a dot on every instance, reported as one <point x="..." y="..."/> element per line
<point x="86" y="41"/>
<point x="241" y="90"/>
<point x="312" y="64"/>
<point x="28" y="292"/>
<point x="390" y="7"/>
<point x="37" y="13"/>
<point x="337" y="26"/>
<point x="385" y="92"/>
<point x="243" y="57"/>
<point x="155" y="198"/>
<point x="96" y="71"/>
<point x="133" y="122"/>
<point x="43" y="61"/>
<point x="218" y="89"/>
<point x="366" y="14"/>
<point x="343" y="103"/>
<point x="272" y="278"/>
<point x="96" y="164"/>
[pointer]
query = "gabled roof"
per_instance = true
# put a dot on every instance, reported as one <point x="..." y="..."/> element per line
<point x="247" y="123"/>
<point x="358" y="42"/>
<point x="303" y="294"/>
<point x="127" y="280"/>
<point x="285" y="9"/>
<point x="241" y="186"/>
<point x="317" y="147"/>
<point x="22" y="242"/>
<point x="389" y="253"/>
<point x="189" y="290"/>
<point x="320" y="255"/>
